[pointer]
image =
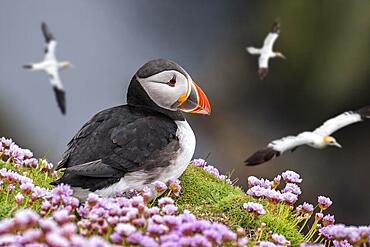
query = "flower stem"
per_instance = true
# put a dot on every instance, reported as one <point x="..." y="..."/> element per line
<point x="304" y="224"/>
<point x="7" y="195"/>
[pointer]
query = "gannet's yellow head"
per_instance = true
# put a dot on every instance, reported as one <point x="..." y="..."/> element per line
<point x="279" y="54"/>
<point x="65" y="65"/>
<point x="330" y="141"/>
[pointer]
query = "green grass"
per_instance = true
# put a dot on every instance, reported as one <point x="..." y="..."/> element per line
<point x="7" y="200"/>
<point x="204" y="195"/>
<point x="210" y="198"/>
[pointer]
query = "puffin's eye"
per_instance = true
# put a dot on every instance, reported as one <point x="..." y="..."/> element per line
<point x="172" y="82"/>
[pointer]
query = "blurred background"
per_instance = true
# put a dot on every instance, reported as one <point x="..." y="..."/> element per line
<point x="327" y="72"/>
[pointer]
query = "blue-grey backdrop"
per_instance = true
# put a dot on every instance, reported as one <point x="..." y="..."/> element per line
<point x="326" y="73"/>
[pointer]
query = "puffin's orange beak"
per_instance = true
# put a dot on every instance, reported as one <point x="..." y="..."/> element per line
<point x="194" y="101"/>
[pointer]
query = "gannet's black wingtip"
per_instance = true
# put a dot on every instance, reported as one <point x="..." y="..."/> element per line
<point x="27" y="66"/>
<point x="262" y="73"/>
<point x="364" y="112"/>
<point x="46" y="32"/>
<point x="61" y="99"/>
<point x="261" y="156"/>
<point x="276" y="26"/>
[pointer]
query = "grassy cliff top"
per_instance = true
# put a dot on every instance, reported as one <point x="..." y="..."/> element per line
<point x="210" y="198"/>
<point x="205" y="195"/>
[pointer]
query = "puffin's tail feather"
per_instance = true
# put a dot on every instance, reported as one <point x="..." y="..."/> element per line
<point x="261" y="156"/>
<point x="28" y="66"/>
<point x="364" y="112"/>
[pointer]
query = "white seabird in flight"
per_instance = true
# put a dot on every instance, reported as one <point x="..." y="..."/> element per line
<point x="265" y="53"/>
<point x="52" y="66"/>
<point x="319" y="138"/>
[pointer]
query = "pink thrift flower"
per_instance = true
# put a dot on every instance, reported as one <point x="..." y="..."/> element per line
<point x="26" y="188"/>
<point x="253" y="207"/>
<point x="159" y="186"/>
<point x="289" y="198"/>
<point x="291" y="177"/>
<point x="307" y="207"/>
<point x="174" y="186"/>
<point x="165" y="201"/>
<point x="328" y="220"/>
<point x="169" y="209"/>
<point x="19" y="198"/>
<point x="291" y="187"/>
<point x="125" y="229"/>
<point x="324" y="202"/>
<point x="280" y="239"/>
<point x="199" y="162"/>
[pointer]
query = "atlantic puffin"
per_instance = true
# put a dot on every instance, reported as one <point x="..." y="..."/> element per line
<point x="130" y="146"/>
<point x="51" y="66"/>
<point x="319" y="138"/>
<point x="266" y="52"/>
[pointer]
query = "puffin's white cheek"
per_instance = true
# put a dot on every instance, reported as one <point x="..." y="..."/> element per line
<point x="163" y="95"/>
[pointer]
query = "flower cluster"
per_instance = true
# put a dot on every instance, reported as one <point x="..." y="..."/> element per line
<point x="27" y="228"/>
<point x="11" y="152"/>
<point x="259" y="188"/>
<point x="29" y="193"/>
<point x="210" y="169"/>
<point x="134" y="223"/>
<point x="12" y="181"/>
<point x="121" y="220"/>
<point x="351" y="234"/>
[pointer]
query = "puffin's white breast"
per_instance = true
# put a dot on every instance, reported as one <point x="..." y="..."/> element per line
<point x="187" y="143"/>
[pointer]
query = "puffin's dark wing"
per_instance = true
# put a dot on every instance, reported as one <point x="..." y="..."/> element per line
<point x="117" y="141"/>
<point x="46" y="32"/>
<point x="94" y="169"/>
<point x="60" y="96"/>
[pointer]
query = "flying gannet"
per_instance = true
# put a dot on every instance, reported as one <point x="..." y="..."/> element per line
<point x="52" y="66"/>
<point x="265" y="53"/>
<point x="319" y="138"/>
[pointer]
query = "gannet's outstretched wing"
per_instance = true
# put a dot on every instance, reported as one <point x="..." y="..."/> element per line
<point x="276" y="148"/>
<point x="58" y="89"/>
<point x="253" y="50"/>
<point x="343" y="120"/>
<point x="272" y="36"/>
<point x="50" y="42"/>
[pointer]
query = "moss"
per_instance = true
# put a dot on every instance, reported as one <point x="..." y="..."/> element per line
<point x="202" y="193"/>
<point x="211" y="198"/>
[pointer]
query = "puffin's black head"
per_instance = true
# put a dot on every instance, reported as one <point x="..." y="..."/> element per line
<point x="164" y="84"/>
